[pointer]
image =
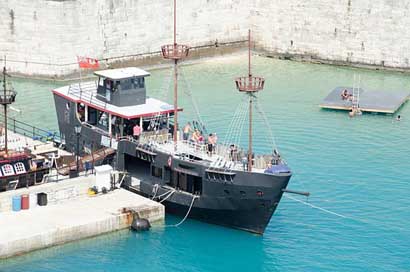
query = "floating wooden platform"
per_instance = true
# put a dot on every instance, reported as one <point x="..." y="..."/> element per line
<point x="370" y="101"/>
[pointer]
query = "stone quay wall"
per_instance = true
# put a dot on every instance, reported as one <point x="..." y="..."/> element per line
<point x="43" y="37"/>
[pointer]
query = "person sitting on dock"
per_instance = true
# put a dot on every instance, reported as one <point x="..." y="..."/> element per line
<point x="345" y="95"/>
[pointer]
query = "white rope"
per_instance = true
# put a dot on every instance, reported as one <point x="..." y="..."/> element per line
<point x="265" y="119"/>
<point x="187" y="91"/>
<point x="241" y="124"/>
<point x="164" y="94"/>
<point x="233" y="120"/>
<point x="171" y="192"/>
<point x="238" y="116"/>
<point x="315" y="207"/>
<point x="155" y="190"/>
<point x="159" y="196"/>
<point x="186" y="215"/>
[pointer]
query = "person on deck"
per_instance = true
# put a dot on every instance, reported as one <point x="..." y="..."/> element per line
<point x="233" y="152"/>
<point x="245" y="163"/>
<point x="195" y="136"/>
<point x="398" y="118"/>
<point x="136" y="131"/>
<point x="187" y="129"/>
<point x="210" y="144"/>
<point x="215" y="141"/>
<point x="268" y="169"/>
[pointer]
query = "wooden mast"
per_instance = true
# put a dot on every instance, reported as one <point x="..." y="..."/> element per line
<point x="175" y="138"/>
<point x="5" y="108"/>
<point x="175" y="52"/>
<point x="250" y="105"/>
<point x="249" y="85"/>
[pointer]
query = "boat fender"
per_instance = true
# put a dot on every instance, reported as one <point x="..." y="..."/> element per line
<point x="140" y="224"/>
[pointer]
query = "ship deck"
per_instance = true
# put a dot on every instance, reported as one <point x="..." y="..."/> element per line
<point x="370" y="101"/>
<point x="218" y="160"/>
<point x="19" y="142"/>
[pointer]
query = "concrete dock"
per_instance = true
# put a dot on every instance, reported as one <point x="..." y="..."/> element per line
<point x="370" y="101"/>
<point x="76" y="218"/>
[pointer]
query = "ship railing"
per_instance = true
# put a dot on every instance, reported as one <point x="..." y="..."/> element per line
<point x="87" y="92"/>
<point x="192" y="148"/>
<point x="27" y="130"/>
<point x="233" y="158"/>
<point x="160" y="136"/>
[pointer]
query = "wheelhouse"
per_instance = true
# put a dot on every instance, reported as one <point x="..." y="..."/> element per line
<point x="110" y="108"/>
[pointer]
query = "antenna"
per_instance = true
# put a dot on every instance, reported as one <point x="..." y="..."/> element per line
<point x="250" y="85"/>
<point x="175" y="52"/>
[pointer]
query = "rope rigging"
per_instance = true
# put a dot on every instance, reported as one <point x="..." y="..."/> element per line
<point x="266" y="121"/>
<point x="236" y="127"/>
<point x="188" y="92"/>
<point x="164" y="96"/>
<point x="239" y="113"/>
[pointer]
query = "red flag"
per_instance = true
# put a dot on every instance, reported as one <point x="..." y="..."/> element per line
<point x="90" y="63"/>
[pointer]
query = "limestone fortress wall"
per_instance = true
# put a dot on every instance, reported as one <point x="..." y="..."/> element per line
<point x="43" y="37"/>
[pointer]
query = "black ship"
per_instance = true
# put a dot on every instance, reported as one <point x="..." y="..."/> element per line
<point x="220" y="184"/>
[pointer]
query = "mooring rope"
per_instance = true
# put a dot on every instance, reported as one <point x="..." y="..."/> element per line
<point x="186" y="215"/>
<point x="154" y="190"/>
<point x="171" y="192"/>
<point x="315" y="207"/>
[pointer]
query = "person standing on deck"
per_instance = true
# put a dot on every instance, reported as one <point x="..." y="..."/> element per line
<point x="211" y="143"/>
<point x="214" y="142"/>
<point x="136" y="131"/>
<point x="186" y="131"/>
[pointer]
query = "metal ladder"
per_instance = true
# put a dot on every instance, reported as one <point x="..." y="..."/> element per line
<point x="356" y="96"/>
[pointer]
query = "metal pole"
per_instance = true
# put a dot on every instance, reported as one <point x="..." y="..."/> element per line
<point x="250" y="135"/>
<point x="175" y="104"/>
<point x="78" y="153"/>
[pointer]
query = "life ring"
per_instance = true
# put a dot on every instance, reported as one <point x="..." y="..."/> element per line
<point x="169" y="161"/>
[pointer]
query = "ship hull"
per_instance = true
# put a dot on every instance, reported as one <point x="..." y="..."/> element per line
<point x="244" y="201"/>
<point x="248" y="214"/>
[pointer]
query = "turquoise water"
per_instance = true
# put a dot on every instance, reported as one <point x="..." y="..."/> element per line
<point x="356" y="169"/>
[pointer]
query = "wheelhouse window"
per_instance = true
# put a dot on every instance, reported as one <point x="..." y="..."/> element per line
<point x="97" y="118"/>
<point x="81" y="112"/>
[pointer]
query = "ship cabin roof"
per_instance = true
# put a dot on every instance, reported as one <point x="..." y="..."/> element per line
<point x="122" y="73"/>
<point x="151" y="107"/>
<point x="120" y="92"/>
